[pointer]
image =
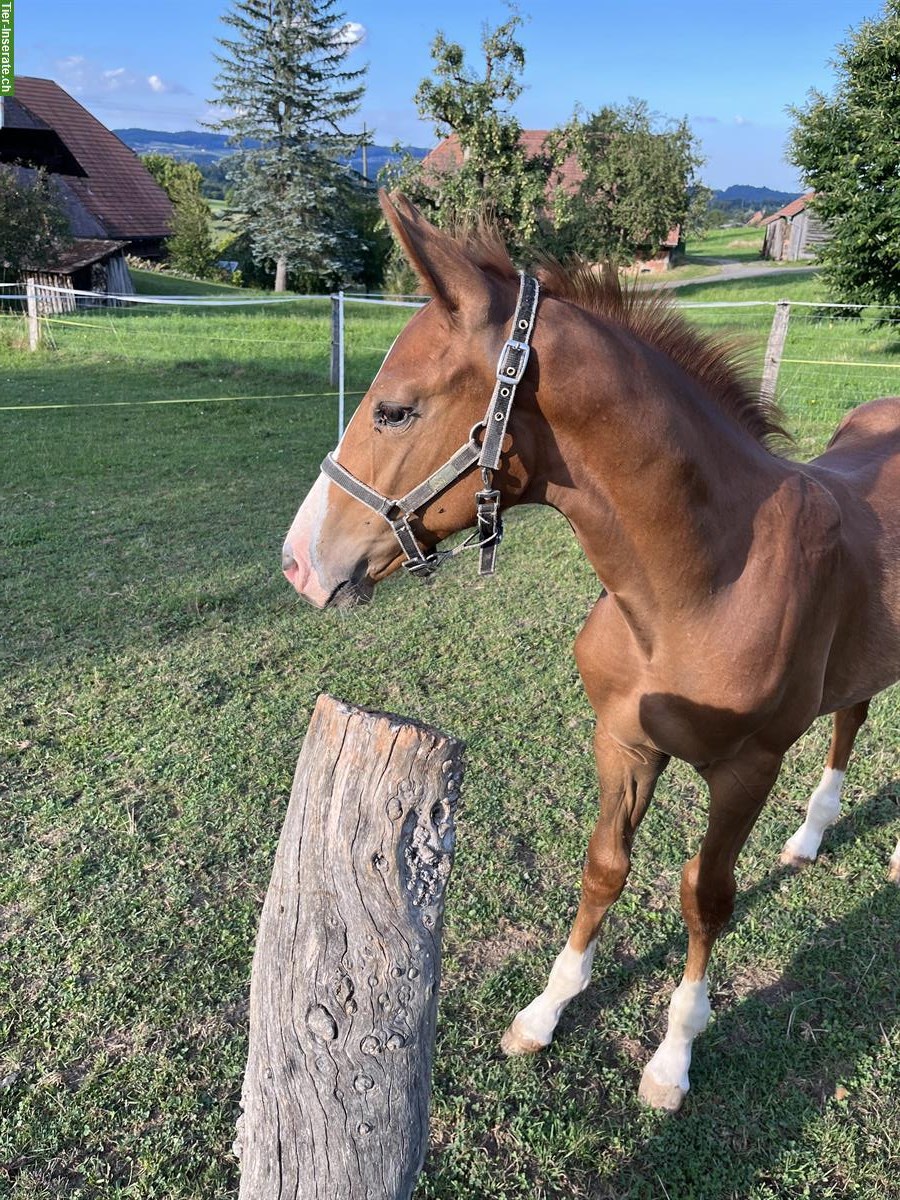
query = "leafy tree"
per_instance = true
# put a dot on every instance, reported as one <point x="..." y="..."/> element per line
<point x="190" y="246"/>
<point x="283" y="81"/>
<point x="638" y="179"/>
<point x="34" y="227"/>
<point x="634" y="179"/>
<point x="495" y="172"/>
<point x="846" y="145"/>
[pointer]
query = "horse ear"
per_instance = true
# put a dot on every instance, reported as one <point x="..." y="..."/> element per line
<point x="445" y="269"/>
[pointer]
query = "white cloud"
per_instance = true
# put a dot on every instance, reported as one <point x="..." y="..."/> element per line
<point x="742" y="121"/>
<point x="351" y="34"/>
<point x="83" y="77"/>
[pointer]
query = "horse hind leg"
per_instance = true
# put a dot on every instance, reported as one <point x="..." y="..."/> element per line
<point x="738" y="790"/>
<point x="824" y="804"/>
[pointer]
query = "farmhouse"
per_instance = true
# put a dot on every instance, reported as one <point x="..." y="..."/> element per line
<point x="449" y="154"/>
<point x="113" y="203"/>
<point x="794" y="231"/>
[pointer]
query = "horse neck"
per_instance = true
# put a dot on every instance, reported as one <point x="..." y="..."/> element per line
<point x="659" y="483"/>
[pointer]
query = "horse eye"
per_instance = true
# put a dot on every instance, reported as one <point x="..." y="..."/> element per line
<point x="392" y="416"/>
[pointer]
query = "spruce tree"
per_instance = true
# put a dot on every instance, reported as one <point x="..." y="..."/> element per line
<point x="287" y="91"/>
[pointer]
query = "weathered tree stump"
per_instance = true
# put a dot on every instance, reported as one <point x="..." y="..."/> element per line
<point x="344" y="989"/>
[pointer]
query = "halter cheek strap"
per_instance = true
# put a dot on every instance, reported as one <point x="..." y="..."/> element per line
<point x="486" y="454"/>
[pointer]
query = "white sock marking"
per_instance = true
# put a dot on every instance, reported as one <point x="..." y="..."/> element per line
<point x="823" y="810"/>
<point x="689" y="1012"/>
<point x="894" y="864"/>
<point x="569" y="975"/>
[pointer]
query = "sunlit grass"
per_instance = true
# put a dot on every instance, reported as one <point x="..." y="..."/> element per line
<point x="157" y="679"/>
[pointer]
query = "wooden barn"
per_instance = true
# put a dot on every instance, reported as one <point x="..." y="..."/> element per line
<point x="449" y="155"/>
<point x="114" y="204"/>
<point x="794" y="232"/>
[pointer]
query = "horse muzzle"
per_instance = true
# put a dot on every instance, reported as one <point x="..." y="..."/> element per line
<point x="354" y="589"/>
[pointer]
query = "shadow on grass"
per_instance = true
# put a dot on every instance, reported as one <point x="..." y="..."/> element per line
<point x="789" y="1058"/>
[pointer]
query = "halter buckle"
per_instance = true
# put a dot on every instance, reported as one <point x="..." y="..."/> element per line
<point x="513" y="361"/>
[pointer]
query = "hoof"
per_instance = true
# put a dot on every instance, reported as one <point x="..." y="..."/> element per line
<point x="797" y="861"/>
<point x="514" y="1042"/>
<point x="665" y="1096"/>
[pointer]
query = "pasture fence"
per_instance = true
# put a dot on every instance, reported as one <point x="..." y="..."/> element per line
<point x="822" y="359"/>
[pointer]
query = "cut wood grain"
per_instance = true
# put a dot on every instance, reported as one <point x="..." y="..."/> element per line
<point x="344" y="988"/>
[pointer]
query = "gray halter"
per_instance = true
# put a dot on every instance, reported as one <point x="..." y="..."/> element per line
<point x="486" y="454"/>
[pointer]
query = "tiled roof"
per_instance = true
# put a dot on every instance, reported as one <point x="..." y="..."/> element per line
<point x="791" y="210"/>
<point x="14" y="115"/>
<point x="82" y="253"/>
<point x="449" y="154"/>
<point x="118" y="189"/>
<point x="82" y="222"/>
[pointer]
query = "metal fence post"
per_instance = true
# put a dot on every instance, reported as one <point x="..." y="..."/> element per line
<point x="775" y="347"/>
<point x="340" y="380"/>
<point x="34" y="327"/>
<point x="335" y="339"/>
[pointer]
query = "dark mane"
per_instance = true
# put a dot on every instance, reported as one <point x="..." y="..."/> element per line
<point x="719" y="365"/>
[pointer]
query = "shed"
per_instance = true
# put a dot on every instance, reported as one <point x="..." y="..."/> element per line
<point x="794" y="232"/>
<point x="88" y="265"/>
<point x="92" y="262"/>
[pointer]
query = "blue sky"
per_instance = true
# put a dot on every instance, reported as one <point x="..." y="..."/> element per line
<point x="732" y="69"/>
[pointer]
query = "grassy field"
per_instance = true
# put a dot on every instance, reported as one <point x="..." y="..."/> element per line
<point x="736" y="244"/>
<point x="157" y="677"/>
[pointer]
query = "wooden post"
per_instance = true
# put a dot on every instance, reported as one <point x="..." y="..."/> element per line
<point x="343" y="993"/>
<point x="775" y="347"/>
<point x="34" y="326"/>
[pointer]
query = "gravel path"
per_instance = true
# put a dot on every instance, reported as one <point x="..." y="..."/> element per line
<point x="739" y="270"/>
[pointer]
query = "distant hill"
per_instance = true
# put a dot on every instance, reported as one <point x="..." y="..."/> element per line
<point x="207" y="148"/>
<point x="742" y="195"/>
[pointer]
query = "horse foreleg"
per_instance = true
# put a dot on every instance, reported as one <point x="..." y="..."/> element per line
<point x="626" y="788"/>
<point x="825" y="803"/>
<point x="738" y="790"/>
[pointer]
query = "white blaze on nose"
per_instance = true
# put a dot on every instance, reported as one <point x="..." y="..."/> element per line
<point x="302" y="542"/>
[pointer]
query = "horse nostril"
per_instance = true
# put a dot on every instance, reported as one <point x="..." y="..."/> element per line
<point x="287" y="559"/>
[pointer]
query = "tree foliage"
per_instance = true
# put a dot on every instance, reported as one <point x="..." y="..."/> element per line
<point x="604" y="186"/>
<point x="34" y="227"/>
<point x="638" y="180"/>
<point x="283" y="80"/>
<point x="190" y="245"/>
<point x="495" y="174"/>
<point x="847" y="147"/>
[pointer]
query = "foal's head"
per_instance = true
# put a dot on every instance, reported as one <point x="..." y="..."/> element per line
<point x="433" y="387"/>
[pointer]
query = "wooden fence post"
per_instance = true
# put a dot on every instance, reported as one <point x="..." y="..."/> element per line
<point x="343" y="993"/>
<point x="34" y="327"/>
<point x="775" y="347"/>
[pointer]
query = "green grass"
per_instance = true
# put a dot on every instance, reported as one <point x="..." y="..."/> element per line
<point x="741" y="244"/>
<point x="157" y="677"/>
<point x="160" y="283"/>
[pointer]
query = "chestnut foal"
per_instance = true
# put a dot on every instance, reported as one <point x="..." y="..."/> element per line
<point x="745" y="594"/>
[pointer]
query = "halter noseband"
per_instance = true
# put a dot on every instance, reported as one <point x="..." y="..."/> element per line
<point x="486" y="454"/>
